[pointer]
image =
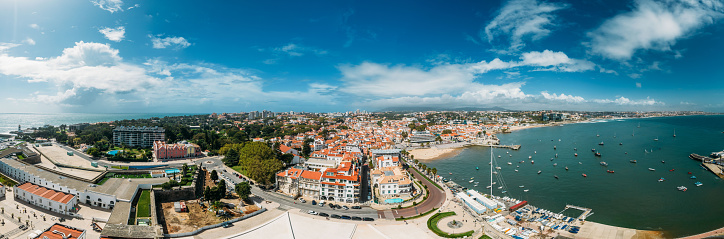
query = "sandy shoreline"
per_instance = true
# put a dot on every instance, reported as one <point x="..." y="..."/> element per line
<point x="434" y="153"/>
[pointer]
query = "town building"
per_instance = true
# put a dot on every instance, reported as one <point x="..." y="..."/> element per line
<point x="138" y="136"/>
<point x="90" y="194"/>
<point x="392" y="181"/>
<point x="2" y="190"/>
<point x="299" y="182"/>
<point x="341" y="184"/>
<point x="183" y="149"/>
<point x="76" y="127"/>
<point x="60" y="231"/>
<point x="46" y="198"/>
<point x="387" y="161"/>
<point x="421" y="137"/>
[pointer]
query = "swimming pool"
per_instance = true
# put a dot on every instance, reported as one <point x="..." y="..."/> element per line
<point x="394" y="200"/>
<point x="114" y="152"/>
<point x="172" y="170"/>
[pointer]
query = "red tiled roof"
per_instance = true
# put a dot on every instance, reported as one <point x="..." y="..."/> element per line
<point x="60" y="197"/>
<point x="68" y="231"/>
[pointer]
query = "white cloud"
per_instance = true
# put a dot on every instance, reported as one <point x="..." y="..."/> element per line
<point x="626" y="101"/>
<point x="109" y="5"/>
<point x="132" y="7"/>
<point x="563" y="97"/>
<point x="177" y="42"/>
<point x="5" y="46"/>
<point x="114" y="34"/>
<point x="521" y="20"/>
<point x="29" y="41"/>
<point x="34" y="26"/>
<point x="293" y="49"/>
<point x="638" y="84"/>
<point x="652" y="25"/>
<point x="80" y="73"/>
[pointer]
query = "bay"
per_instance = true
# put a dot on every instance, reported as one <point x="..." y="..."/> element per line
<point x="631" y="196"/>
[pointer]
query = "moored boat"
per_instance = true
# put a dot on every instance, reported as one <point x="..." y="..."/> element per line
<point x="632" y="161"/>
<point x="566" y="167"/>
<point x="603" y="164"/>
<point x="609" y="171"/>
<point x="539" y="171"/>
<point x="555" y="176"/>
<point x="681" y="188"/>
<point x="661" y="179"/>
<point x="584" y="175"/>
<point x="651" y="169"/>
<point x="598" y="154"/>
<point x="698" y="184"/>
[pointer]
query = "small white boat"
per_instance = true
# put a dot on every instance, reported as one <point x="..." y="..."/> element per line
<point x="525" y="190"/>
<point x="555" y="164"/>
<point x="681" y="188"/>
<point x="509" y="163"/>
<point x="539" y="171"/>
<point x="495" y="172"/>
<point x="494" y="183"/>
<point x="530" y="157"/>
<point x="521" y="186"/>
<point x="488" y="187"/>
<point x="498" y="156"/>
<point x="498" y="168"/>
<point x="501" y="187"/>
<point x="535" y="152"/>
<point x="651" y="169"/>
<point x="471" y="181"/>
<point x="516" y="170"/>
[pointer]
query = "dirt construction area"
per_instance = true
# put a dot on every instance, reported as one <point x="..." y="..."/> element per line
<point x="196" y="217"/>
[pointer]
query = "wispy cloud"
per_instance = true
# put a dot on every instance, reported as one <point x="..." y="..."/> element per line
<point x="626" y="101"/>
<point x="160" y="42"/>
<point x="293" y="49"/>
<point x="521" y="20"/>
<point x="114" y="34"/>
<point x="652" y="25"/>
<point x="29" y="41"/>
<point x="109" y="5"/>
<point x="34" y="26"/>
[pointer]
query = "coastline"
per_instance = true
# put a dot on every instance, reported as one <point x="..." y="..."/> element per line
<point x="429" y="154"/>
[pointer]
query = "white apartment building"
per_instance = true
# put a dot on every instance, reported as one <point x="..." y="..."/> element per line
<point x="85" y="192"/>
<point x="138" y="136"/>
<point x="340" y="184"/>
<point x="52" y="200"/>
<point x="392" y="181"/>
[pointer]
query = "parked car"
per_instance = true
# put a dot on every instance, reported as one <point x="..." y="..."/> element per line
<point x="335" y="216"/>
<point x="337" y="207"/>
<point x="331" y="205"/>
<point x="356" y="207"/>
<point x="369" y="219"/>
<point x="314" y="202"/>
<point x="323" y="214"/>
<point x="313" y="213"/>
<point x="345" y="208"/>
<point x="357" y="218"/>
<point x="227" y="225"/>
<point x="346" y="217"/>
<point x="321" y="204"/>
<point x="302" y="200"/>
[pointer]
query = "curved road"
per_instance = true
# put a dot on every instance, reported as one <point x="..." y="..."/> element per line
<point x="435" y="200"/>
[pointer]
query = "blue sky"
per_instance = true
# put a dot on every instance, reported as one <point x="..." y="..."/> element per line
<point x="196" y="57"/>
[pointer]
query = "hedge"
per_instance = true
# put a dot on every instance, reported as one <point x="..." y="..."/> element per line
<point x="432" y="225"/>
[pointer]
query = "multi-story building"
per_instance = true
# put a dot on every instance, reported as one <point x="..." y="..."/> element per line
<point x="138" y="136"/>
<point x="299" y="182"/>
<point x="60" y="231"/>
<point x="341" y="184"/>
<point x="90" y="194"/>
<point x="2" y="190"/>
<point x="387" y="161"/>
<point x="392" y="181"/>
<point x="253" y="115"/>
<point x="183" y="149"/>
<point x="46" y="198"/>
<point x="421" y="137"/>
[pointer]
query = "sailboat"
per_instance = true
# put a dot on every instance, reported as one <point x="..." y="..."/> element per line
<point x="656" y="139"/>
<point x="639" y="125"/>
<point x="674" y="133"/>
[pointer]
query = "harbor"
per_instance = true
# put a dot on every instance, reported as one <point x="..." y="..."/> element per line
<point x="619" y="191"/>
<point x="712" y="164"/>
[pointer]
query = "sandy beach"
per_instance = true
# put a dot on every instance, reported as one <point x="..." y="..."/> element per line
<point x="434" y="153"/>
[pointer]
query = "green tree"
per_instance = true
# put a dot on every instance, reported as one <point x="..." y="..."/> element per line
<point x="379" y="123"/>
<point x="404" y="134"/>
<point x="231" y="158"/>
<point x="95" y="152"/>
<point x="434" y="171"/>
<point x="243" y="189"/>
<point x="447" y="131"/>
<point x="214" y="175"/>
<point x="222" y="189"/>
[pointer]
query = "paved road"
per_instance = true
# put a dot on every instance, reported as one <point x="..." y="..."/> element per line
<point x="435" y="200"/>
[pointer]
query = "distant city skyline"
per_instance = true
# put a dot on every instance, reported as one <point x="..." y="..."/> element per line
<point x="126" y="56"/>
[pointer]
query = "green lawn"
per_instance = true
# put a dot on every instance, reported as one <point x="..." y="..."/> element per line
<point x="6" y="181"/>
<point x="432" y="225"/>
<point x="21" y="156"/>
<point x="238" y="169"/>
<point x="103" y="181"/>
<point x="143" y="208"/>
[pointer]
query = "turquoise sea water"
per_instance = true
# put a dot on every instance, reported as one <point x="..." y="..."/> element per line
<point x="10" y="121"/>
<point x="631" y="196"/>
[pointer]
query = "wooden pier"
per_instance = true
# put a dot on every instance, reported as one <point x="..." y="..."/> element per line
<point x="513" y="147"/>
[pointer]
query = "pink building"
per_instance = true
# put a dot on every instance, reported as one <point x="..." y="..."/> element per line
<point x="183" y="149"/>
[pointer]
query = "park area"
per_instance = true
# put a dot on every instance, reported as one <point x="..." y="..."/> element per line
<point x="143" y="209"/>
<point x="199" y="216"/>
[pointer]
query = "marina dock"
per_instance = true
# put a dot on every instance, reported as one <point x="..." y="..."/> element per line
<point x="513" y="147"/>
<point x="714" y="168"/>
<point x="587" y="212"/>
<point x="711" y="164"/>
